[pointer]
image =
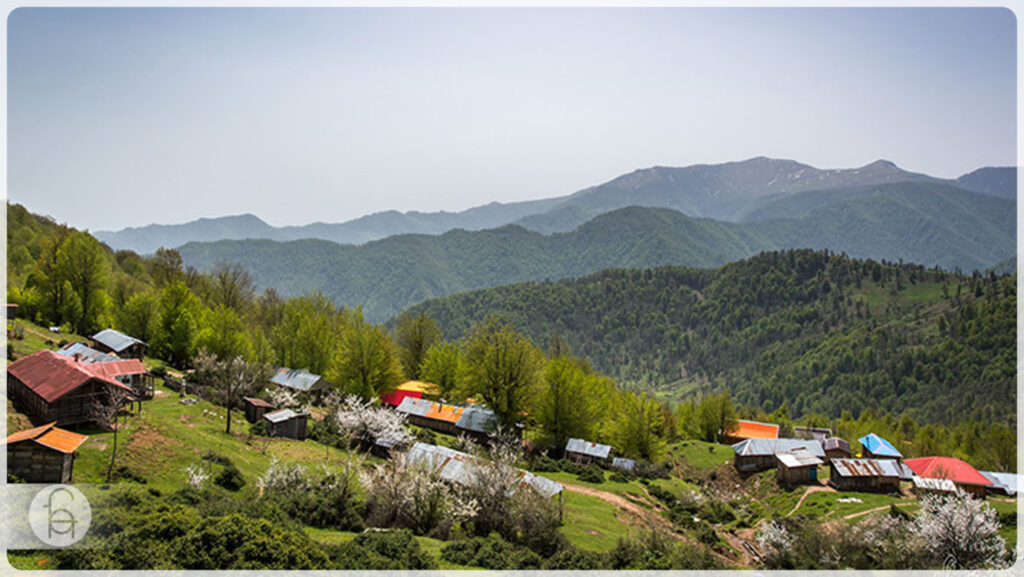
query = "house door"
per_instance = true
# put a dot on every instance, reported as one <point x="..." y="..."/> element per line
<point x="814" y="474"/>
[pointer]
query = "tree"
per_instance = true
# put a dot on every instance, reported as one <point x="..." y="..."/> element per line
<point x="180" y="311"/>
<point x="415" y="335"/>
<point x="573" y="402"/>
<point x="401" y="493"/>
<point x="82" y="264"/>
<point x="366" y="364"/>
<point x="140" y="315"/>
<point x="165" y="267"/>
<point x="716" y="416"/>
<point x="961" y="532"/>
<point x="105" y="412"/>
<point x="441" y="366"/>
<point x="232" y="287"/>
<point x="367" y="422"/>
<point x="502" y="367"/>
<point x="635" y="428"/>
<point x="231" y="378"/>
<point x="224" y="334"/>
<point x="308" y="332"/>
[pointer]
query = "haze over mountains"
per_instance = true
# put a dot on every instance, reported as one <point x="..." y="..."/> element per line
<point x="729" y="191"/>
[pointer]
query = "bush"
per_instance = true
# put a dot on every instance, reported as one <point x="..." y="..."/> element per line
<point x="491" y="552"/>
<point x="591" y="474"/>
<point x="230" y="478"/>
<point x="399" y="546"/>
<point x="426" y="436"/>
<point x="543" y="464"/>
<point x="569" y="467"/>
<point x="575" y="558"/>
<point x="217" y="458"/>
<point x="126" y="473"/>
<point x="258" y="429"/>
<point x="705" y="534"/>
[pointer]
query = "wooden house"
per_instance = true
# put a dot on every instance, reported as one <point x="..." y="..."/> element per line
<point x="122" y="345"/>
<point x="875" y="447"/>
<point x="964" y="476"/>
<point x="287" y="423"/>
<point x="311" y="386"/>
<point x="44" y="454"/>
<point x="817" y="433"/>
<point x="753" y="455"/>
<point x="835" y="448"/>
<point x="127" y="371"/>
<point x="48" y="388"/>
<point x="255" y="408"/>
<point x="1002" y="483"/>
<point x="431" y="415"/>
<point x="925" y="486"/>
<point x="871" y="475"/>
<point x="584" y="452"/>
<point x="743" y="430"/>
<point x="796" y="467"/>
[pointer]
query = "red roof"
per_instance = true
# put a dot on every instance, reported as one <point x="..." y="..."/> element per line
<point x="51" y="376"/>
<point x="947" y="468"/>
<point x="754" y="430"/>
<point x="51" y="437"/>
<point x="111" y="369"/>
<point x="257" y="402"/>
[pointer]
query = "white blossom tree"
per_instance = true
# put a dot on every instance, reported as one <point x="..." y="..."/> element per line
<point x="196" y="476"/>
<point x="775" y="542"/>
<point x="366" y="422"/>
<point x="961" y="532"/>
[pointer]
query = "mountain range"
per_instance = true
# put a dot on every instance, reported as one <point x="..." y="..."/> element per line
<point x="732" y="192"/>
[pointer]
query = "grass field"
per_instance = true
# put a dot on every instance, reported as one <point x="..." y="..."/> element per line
<point x="590" y="523"/>
<point x="701" y="454"/>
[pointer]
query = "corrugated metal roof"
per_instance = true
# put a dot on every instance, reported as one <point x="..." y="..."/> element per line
<point x="412" y="406"/>
<point x="879" y="446"/>
<point x="930" y="484"/>
<point x="754" y="430"/>
<point x="588" y="448"/>
<point x="626" y="464"/>
<point x="298" y="379"/>
<point x="117" y="341"/>
<point x="282" y="415"/>
<point x="833" y="443"/>
<point x="478" y="419"/>
<point x="257" y="402"/>
<point x="1005" y="481"/>
<point x="869" y="468"/>
<point x="766" y="447"/>
<point x="418" y="387"/>
<point x="457" y="467"/>
<point x="118" y="368"/>
<point x="86" y="353"/>
<point x="51" y="376"/>
<point x="798" y="458"/>
<point x="816" y="433"/>
<point x="50" y="436"/>
<point x="442" y="412"/>
<point x="947" y="468"/>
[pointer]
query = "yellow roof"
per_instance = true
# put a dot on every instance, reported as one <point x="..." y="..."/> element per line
<point x="420" y="387"/>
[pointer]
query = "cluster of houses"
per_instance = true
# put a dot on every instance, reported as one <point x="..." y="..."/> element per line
<point x="879" y="468"/>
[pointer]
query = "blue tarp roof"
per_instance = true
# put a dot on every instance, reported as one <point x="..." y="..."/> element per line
<point x="879" y="446"/>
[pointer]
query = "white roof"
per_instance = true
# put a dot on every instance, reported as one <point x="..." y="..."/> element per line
<point x="765" y="447"/>
<point x="117" y="341"/>
<point x="588" y="448"/>
<point x="931" y="484"/>
<point x="457" y="467"/>
<point x="798" y="458"/>
<point x="282" y="415"/>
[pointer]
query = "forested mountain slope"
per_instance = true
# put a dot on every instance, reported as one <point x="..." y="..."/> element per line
<point x="816" y="332"/>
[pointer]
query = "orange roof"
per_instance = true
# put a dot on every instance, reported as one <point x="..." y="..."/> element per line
<point x="444" y="412"/>
<point x="419" y="387"/>
<point x="754" y="430"/>
<point x="51" y="437"/>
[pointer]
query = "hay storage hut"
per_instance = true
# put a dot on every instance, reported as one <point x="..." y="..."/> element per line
<point x="797" y="467"/>
<point x="44" y="454"/>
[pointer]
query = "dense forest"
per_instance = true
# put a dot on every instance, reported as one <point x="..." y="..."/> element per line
<point x="814" y="331"/>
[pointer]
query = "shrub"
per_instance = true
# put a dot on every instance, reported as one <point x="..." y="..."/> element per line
<point x="544" y="464"/>
<point x="396" y="545"/>
<point x="575" y="558"/>
<point x="126" y="473"/>
<point x="426" y="436"/>
<point x="214" y="457"/>
<point x="230" y="478"/>
<point x="491" y="552"/>
<point x="591" y="474"/>
<point x="258" y="429"/>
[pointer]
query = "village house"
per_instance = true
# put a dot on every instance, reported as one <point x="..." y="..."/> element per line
<point x="835" y="448"/>
<point x="431" y="415"/>
<point x="924" y="486"/>
<point x="585" y="452"/>
<point x="48" y="387"/>
<point x="753" y="455"/>
<point x="1002" y="483"/>
<point x="875" y="447"/>
<point x="480" y="423"/>
<point x="127" y="371"/>
<point x="797" y="466"/>
<point x="624" y="464"/>
<point x="816" y="433"/>
<point x="964" y="476"/>
<point x="457" y="467"/>
<point x="255" y="408"/>
<point x="309" y="385"/>
<point x="287" y="423"/>
<point x="873" y="475"/>
<point x="744" y="430"/>
<point x="85" y="353"/>
<point x="44" y="454"/>
<point x="124" y="346"/>
<point x="414" y="389"/>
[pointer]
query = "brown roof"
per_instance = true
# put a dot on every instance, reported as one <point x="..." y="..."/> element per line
<point x="51" y="376"/>
<point x="111" y="369"/>
<point x="51" y="437"/>
<point x="257" y="402"/>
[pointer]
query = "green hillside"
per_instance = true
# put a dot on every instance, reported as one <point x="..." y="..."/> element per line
<point x="817" y="332"/>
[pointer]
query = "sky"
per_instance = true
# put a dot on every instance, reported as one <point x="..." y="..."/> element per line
<point x="125" y="117"/>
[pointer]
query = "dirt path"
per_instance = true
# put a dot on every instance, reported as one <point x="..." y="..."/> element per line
<point x="810" y="490"/>
<point x="875" y="510"/>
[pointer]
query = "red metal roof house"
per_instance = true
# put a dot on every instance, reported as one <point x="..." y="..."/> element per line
<point x="964" y="476"/>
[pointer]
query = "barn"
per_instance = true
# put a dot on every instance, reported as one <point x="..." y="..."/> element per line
<point x="122" y="345"/>
<point x="875" y="447"/>
<point x="48" y="387"/>
<point x="584" y="452"/>
<point x="835" y="448"/>
<point x="287" y="423"/>
<point x="873" y="475"/>
<point x="753" y="455"/>
<point x="128" y="371"/>
<point x="797" y="466"/>
<point x="964" y="476"/>
<point x="744" y="430"/>
<point x="44" y="454"/>
<point x="428" y="414"/>
<point x="255" y="408"/>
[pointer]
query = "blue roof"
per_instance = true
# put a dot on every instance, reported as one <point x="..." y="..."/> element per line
<point x="878" y="446"/>
<point x="86" y="354"/>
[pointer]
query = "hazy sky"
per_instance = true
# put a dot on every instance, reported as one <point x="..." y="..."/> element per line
<point x="123" y="117"/>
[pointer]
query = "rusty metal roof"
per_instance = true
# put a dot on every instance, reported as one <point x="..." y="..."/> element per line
<point x="414" y="406"/>
<point x="257" y="402"/>
<point x="119" y="368"/>
<point x="51" y="376"/>
<point x="86" y="353"/>
<point x="869" y="468"/>
<point x="835" y="443"/>
<point x="51" y="437"/>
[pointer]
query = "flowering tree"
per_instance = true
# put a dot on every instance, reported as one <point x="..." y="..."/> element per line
<point x="775" y="542"/>
<point x="960" y="532"/>
<point x="231" y="378"/>
<point x="367" y="422"/>
<point x="283" y="398"/>
<point x="196" y="476"/>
